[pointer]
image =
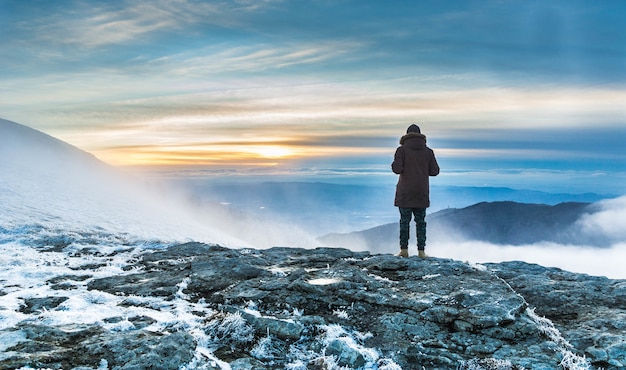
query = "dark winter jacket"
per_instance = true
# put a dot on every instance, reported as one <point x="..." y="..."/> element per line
<point x="414" y="162"/>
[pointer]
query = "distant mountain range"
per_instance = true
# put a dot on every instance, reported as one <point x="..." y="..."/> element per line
<point x="322" y="208"/>
<point x="443" y="197"/>
<point x="503" y="222"/>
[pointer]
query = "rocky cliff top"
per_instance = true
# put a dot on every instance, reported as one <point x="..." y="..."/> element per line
<point x="197" y="306"/>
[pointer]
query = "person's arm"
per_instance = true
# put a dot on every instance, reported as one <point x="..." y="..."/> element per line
<point x="433" y="166"/>
<point x="398" y="162"/>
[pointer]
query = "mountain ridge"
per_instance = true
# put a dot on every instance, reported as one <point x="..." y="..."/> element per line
<point x="26" y="147"/>
<point x="501" y="222"/>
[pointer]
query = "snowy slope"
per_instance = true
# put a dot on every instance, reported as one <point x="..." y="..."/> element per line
<point x="52" y="190"/>
<point x="63" y="212"/>
<point x="67" y="217"/>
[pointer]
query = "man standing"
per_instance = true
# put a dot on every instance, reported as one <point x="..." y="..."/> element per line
<point x="414" y="162"/>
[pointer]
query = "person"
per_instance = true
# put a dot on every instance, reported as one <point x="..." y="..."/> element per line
<point x="415" y="163"/>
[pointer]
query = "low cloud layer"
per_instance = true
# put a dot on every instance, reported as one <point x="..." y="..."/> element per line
<point x="608" y="223"/>
<point x="607" y="262"/>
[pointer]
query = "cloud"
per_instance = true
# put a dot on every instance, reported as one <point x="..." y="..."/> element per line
<point x="92" y="26"/>
<point x="60" y="36"/>
<point x="255" y="58"/>
<point x="114" y="27"/>
<point x="462" y="125"/>
<point x="582" y="259"/>
<point x="609" y="221"/>
<point x="607" y="224"/>
<point x="472" y="172"/>
<point x="511" y="41"/>
<point x="482" y="153"/>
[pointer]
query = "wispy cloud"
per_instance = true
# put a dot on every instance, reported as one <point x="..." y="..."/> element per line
<point x="252" y="59"/>
<point x="119" y="22"/>
<point x="114" y="27"/>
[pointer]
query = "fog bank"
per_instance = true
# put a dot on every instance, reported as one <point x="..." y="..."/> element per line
<point x="607" y="262"/>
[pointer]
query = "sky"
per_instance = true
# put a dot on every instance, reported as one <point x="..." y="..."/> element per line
<point x="524" y="94"/>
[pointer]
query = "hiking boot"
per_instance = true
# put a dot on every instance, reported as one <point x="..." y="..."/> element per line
<point x="404" y="253"/>
<point x="422" y="254"/>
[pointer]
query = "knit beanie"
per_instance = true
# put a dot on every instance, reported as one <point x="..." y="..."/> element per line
<point x="413" y="128"/>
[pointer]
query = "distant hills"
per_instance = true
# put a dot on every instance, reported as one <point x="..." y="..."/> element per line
<point x="322" y="208"/>
<point x="502" y="222"/>
<point x="513" y="223"/>
<point x="443" y="197"/>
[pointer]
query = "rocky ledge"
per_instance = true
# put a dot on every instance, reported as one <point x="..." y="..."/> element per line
<point x="327" y="308"/>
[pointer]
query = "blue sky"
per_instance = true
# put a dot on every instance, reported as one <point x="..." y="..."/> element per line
<point x="526" y="94"/>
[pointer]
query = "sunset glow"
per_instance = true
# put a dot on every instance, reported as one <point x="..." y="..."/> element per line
<point x="270" y="151"/>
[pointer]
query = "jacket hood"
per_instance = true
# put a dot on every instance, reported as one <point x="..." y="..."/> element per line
<point x="414" y="139"/>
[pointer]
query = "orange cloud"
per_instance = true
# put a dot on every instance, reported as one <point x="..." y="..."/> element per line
<point x="253" y="153"/>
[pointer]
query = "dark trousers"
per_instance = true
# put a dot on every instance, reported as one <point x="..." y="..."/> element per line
<point x="420" y="226"/>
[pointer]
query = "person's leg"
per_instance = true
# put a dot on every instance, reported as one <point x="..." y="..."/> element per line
<point x="420" y="227"/>
<point x="405" y="222"/>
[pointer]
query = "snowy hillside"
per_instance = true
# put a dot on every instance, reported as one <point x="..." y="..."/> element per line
<point x="58" y="191"/>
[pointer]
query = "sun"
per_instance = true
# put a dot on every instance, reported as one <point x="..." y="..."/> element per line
<point x="271" y="151"/>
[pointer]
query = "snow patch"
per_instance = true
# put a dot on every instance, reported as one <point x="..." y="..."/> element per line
<point x="324" y="281"/>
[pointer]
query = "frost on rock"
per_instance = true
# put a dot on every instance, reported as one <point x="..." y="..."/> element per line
<point x="488" y="364"/>
<point x="229" y="330"/>
<point x="569" y="360"/>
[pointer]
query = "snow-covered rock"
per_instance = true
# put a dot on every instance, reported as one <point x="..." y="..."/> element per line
<point x="198" y="306"/>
